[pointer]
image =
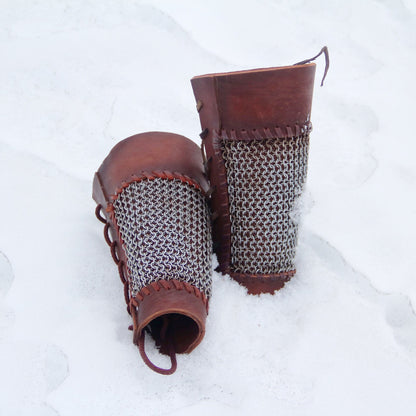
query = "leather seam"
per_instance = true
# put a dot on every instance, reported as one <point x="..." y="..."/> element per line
<point x="174" y="284"/>
<point x="152" y="176"/>
<point x="261" y="133"/>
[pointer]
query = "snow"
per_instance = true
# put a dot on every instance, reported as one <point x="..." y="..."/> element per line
<point x="77" y="77"/>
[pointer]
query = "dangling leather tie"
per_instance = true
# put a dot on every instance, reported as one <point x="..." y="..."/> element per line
<point x="167" y="339"/>
<point x="324" y="51"/>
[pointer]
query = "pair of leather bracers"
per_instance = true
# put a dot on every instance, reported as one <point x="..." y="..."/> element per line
<point x="166" y="204"/>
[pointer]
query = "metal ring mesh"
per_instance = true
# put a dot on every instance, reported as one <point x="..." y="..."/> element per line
<point x="166" y="232"/>
<point x="265" y="177"/>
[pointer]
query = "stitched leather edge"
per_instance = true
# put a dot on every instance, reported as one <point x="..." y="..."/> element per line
<point x="278" y="132"/>
<point x="286" y="276"/>
<point x="153" y="175"/>
<point x="257" y="284"/>
<point x="223" y="210"/>
<point x="172" y="284"/>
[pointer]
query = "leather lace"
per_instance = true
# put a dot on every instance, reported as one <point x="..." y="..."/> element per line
<point x="166" y="340"/>
<point x="165" y="336"/>
<point x="324" y="51"/>
<point x="114" y="255"/>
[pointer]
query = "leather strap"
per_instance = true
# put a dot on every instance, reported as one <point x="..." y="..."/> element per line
<point x="166" y="339"/>
<point x="324" y="51"/>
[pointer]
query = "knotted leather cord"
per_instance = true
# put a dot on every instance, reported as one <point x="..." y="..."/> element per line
<point x="324" y="51"/>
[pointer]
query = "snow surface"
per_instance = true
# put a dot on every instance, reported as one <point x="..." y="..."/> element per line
<point x="78" y="76"/>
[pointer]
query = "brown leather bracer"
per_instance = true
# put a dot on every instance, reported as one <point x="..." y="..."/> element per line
<point x="255" y="134"/>
<point x="151" y="190"/>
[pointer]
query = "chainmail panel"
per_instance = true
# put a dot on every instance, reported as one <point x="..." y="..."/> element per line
<point x="265" y="177"/>
<point x="166" y="232"/>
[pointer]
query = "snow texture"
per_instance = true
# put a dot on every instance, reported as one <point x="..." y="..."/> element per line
<point x="78" y="76"/>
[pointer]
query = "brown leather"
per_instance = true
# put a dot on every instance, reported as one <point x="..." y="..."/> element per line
<point x="262" y="283"/>
<point x="255" y="99"/>
<point x="147" y="152"/>
<point x="191" y="311"/>
<point x="244" y="105"/>
<point x="139" y="156"/>
<point x="147" y="156"/>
